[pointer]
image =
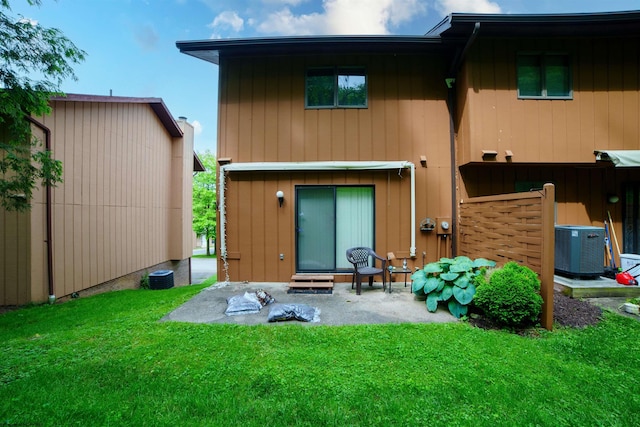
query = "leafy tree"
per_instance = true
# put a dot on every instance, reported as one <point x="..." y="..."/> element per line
<point x="204" y="199"/>
<point x="34" y="61"/>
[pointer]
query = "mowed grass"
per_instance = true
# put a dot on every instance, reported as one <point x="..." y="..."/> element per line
<point x="106" y="360"/>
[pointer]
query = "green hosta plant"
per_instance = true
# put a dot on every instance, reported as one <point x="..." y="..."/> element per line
<point x="451" y="281"/>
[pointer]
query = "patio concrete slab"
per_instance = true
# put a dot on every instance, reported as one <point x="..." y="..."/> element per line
<point x="342" y="307"/>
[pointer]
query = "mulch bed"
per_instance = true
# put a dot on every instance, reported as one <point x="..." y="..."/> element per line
<point x="574" y="312"/>
<point x="567" y="312"/>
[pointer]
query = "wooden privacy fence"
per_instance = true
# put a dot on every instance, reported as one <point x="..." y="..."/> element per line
<point x="513" y="227"/>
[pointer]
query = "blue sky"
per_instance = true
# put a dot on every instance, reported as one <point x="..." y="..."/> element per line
<point x="131" y="43"/>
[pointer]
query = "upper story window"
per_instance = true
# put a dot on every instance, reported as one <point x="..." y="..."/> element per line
<point x="544" y="76"/>
<point x="336" y="87"/>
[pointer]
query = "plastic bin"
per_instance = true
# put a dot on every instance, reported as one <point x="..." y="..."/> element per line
<point x="161" y="279"/>
<point x="629" y="262"/>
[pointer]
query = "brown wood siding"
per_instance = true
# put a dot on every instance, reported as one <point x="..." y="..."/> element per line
<point x="262" y="118"/>
<point x="14" y="257"/>
<point x="581" y="193"/>
<point x="266" y="120"/>
<point x="15" y="253"/>
<point x="111" y="215"/>
<point x="603" y="113"/>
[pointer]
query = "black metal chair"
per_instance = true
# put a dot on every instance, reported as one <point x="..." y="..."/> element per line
<point x="359" y="257"/>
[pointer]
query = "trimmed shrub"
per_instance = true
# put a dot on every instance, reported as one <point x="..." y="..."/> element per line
<point x="511" y="296"/>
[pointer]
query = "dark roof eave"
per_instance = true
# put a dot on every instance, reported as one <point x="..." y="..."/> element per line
<point x="157" y="105"/>
<point x="556" y="18"/>
<point x="211" y="50"/>
<point x="198" y="166"/>
<point x="459" y="25"/>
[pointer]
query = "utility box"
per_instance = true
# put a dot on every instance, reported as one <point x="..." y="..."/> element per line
<point x="161" y="279"/>
<point x="443" y="225"/>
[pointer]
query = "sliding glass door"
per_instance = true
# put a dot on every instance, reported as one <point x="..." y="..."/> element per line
<point x="329" y="220"/>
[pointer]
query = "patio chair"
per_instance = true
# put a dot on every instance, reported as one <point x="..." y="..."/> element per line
<point x="359" y="257"/>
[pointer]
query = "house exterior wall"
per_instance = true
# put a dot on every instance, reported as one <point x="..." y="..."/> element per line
<point x="122" y="208"/>
<point x="603" y="113"/>
<point x="263" y="118"/>
<point x="551" y="140"/>
<point x="180" y="224"/>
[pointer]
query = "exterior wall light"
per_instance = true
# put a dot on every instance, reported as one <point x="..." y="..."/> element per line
<point x="280" y="196"/>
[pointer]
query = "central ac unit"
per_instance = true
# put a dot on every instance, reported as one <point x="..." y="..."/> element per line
<point x="579" y="250"/>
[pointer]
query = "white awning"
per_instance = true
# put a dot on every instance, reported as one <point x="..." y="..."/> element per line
<point x="620" y="158"/>
<point x="315" y="166"/>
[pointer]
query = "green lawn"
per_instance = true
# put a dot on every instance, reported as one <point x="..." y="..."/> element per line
<point x="106" y="360"/>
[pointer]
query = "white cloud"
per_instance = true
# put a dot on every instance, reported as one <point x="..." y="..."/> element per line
<point x="344" y="17"/>
<point x="286" y="23"/>
<point x="227" y="20"/>
<point x="197" y="127"/>
<point x="467" y="6"/>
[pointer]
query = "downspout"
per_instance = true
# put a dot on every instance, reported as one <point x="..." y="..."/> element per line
<point x="451" y="100"/>
<point x="48" y="208"/>
<point x="412" y="249"/>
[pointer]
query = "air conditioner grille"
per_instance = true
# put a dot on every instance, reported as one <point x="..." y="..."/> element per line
<point x="579" y="250"/>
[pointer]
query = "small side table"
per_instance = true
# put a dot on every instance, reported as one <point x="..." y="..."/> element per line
<point x="399" y="270"/>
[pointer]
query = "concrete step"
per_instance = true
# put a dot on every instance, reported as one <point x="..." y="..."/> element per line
<point x="311" y="281"/>
<point x="600" y="287"/>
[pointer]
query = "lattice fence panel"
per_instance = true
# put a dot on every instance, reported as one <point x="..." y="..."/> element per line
<point x="513" y="227"/>
<point x="503" y="228"/>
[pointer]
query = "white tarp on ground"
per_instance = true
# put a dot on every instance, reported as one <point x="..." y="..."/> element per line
<point x="620" y="158"/>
